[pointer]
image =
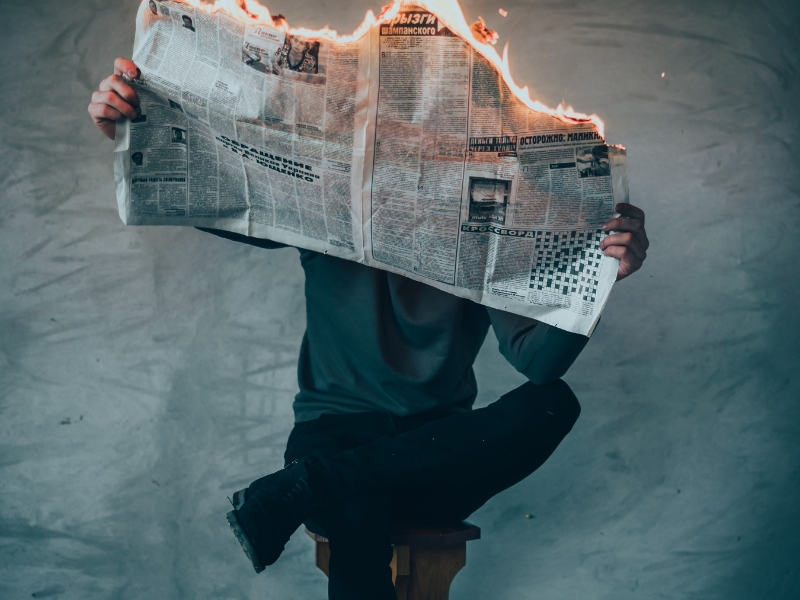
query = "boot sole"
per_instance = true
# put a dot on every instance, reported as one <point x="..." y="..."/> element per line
<point x="244" y="542"/>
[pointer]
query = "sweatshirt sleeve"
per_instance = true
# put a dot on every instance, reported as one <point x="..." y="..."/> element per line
<point x="540" y="352"/>
<point x="238" y="237"/>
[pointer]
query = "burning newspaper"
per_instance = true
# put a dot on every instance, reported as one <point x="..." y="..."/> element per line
<point x="405" y="146"/>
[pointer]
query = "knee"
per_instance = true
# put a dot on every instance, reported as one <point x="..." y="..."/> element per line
<point x="565" y="401"/>
<point x="554" y="399"/>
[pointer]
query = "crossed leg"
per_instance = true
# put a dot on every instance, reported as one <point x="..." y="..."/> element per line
<point x="381" y="469"/>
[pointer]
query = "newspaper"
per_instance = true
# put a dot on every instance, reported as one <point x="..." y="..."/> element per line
<point x="404" y="150"/>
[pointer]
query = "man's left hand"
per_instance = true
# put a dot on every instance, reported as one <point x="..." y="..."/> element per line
<point x="629" y="244"/>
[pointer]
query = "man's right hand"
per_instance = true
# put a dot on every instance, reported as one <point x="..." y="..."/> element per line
<point x="115" y="99"/>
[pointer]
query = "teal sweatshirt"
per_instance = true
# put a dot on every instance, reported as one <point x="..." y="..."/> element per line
<point x="376" y="341"/>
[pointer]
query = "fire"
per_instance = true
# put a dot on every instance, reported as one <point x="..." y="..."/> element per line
<point x="477" y="35"/>
<point x="254" y="13"/>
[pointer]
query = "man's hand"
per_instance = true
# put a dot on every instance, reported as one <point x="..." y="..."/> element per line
<point x="630" y="244"/>
<point x="115" y="99"/>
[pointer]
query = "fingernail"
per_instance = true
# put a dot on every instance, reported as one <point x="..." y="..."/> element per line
<point x="605" y="227"/>
<point x="132" y="74"/>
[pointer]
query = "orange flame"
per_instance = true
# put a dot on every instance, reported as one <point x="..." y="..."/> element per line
<point x="449" y="11"/>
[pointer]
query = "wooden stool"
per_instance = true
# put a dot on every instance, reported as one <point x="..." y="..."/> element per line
<point x="425" y="560"/>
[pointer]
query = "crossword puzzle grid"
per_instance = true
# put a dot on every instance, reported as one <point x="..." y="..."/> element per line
<point x="567" y="262"/>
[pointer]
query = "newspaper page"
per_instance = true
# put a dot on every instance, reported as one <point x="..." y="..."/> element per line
<point x="233" y="134"/>
<point x="404" y="150"/>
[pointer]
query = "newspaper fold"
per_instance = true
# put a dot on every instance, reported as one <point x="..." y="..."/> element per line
<point x="404" y="150"/>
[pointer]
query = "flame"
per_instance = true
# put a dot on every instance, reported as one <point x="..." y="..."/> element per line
<point x="482" y="33"/>
<point x="250" y="11"/>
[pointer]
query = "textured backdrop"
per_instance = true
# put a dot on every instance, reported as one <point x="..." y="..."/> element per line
<point x="147" y="373"/>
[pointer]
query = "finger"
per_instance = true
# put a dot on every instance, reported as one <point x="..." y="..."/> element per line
<point x="117" y="84"/>
<point x="113" y="100"/>
<point x="107" y="126"/>
<point x="105" y="118"/>
<point x="635" y="226"/>
<point x="100" y="111"/>
<point x="109" y="129"/>
<point x="125" y="66"/>
<point x="629" y="210"/>
<point x="628" y="261"/>
<point x="627" y="240"/>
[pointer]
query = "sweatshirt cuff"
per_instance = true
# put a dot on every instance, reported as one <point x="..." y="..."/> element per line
<point x="238" y="237"/>
<point x="553" y="352"/>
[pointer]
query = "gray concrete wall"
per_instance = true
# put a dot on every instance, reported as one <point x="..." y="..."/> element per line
<point x="146" y="373"/>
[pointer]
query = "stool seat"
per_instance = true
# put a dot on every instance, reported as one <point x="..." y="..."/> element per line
<point x="425" y="559"/>
<point x="418" y="535"/>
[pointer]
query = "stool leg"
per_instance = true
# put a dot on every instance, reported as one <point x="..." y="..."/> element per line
<point x="419" y="572"/>
<point x="432" y="569"/>
<point x="401" y="567"/>
<point x="323" y="556"/>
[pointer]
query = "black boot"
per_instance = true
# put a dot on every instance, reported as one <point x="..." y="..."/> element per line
<point x="269" y="511"/>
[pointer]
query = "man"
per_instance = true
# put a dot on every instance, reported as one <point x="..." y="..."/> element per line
<point x="178" y="136"/>
<point x="384" y="429"/>
<point x="593" y="162"/>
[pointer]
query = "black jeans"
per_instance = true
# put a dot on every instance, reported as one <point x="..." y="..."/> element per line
<point x="432" y="468"/>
